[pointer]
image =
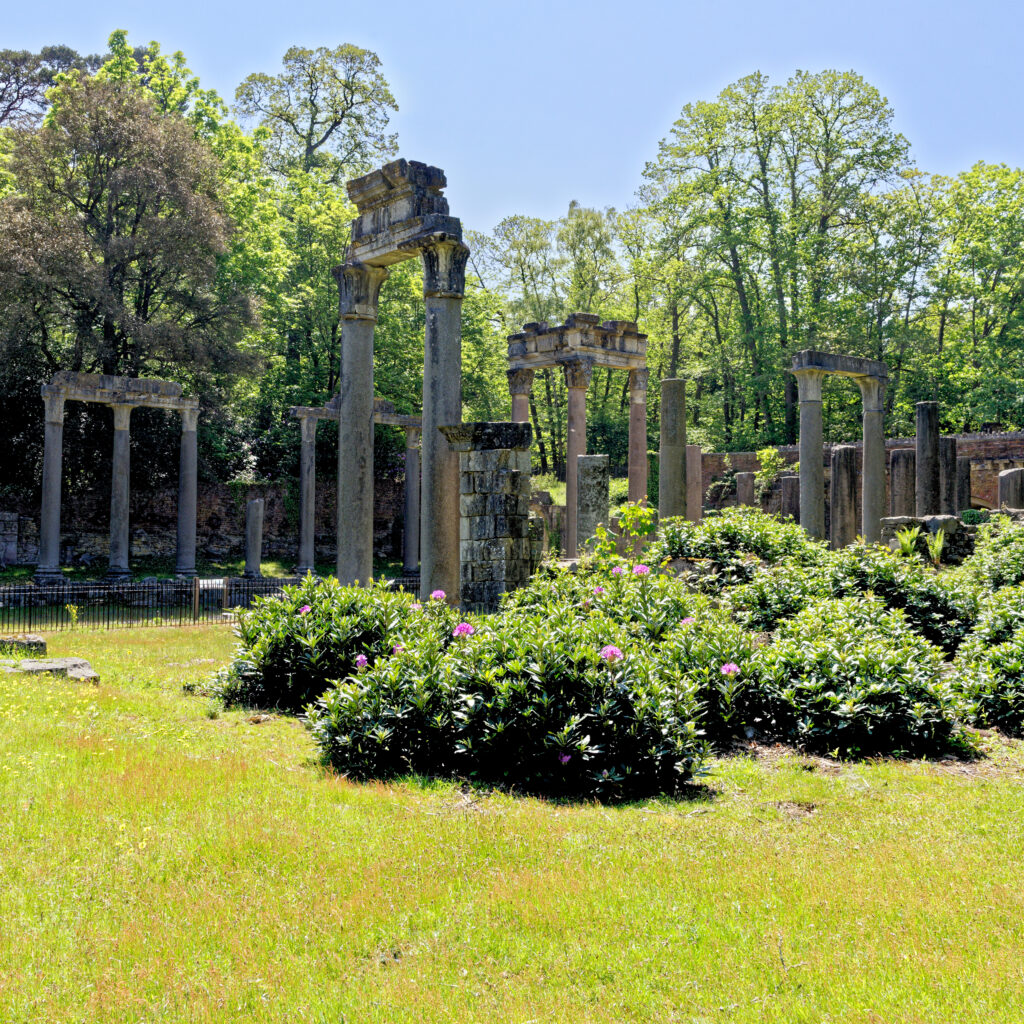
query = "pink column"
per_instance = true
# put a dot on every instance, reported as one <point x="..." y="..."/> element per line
<point x="519" y="384"/>
<point x="577" y="380"/>
<point x="638" y="434"/>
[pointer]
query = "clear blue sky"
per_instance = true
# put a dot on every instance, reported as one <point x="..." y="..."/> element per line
<point x="531" y="103"/>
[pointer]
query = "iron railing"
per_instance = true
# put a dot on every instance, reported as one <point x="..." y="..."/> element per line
<point x="28" y="608"/>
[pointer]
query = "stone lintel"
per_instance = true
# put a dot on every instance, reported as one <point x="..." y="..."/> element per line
<point x="466" y="437"/>
<point x="843" y="366"/>
<point x="614" y="343"/>
<point x="109" y="390"/>
<point x="383" y="412"/>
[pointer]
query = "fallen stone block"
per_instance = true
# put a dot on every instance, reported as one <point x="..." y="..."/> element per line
<point x="72" y="668"/>
<point x="24" y="643"/>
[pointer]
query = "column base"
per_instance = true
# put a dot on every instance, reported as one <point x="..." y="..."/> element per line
<point x="118" y="576"/>
<point x="302" y="570"/>
<point x="47" y="577"/>
<point x="252" y="575"/>
<point x="185" y="574"/>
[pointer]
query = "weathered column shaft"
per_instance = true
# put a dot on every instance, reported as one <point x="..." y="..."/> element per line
<point x="843" y="504"/>
<point x="812" y="467"/>
<point x="188" y="469"/>
<point x="963" y="483"/>
<point x="48" y="568"/>
<point x="519" y="384"/>
<point x="947" y="476"/>
<point x="411" y="526"/>
<point x="790" y="502"/>
<point x="1011" y="488"/>
<point x="902" y="482"/>
<point x="444" y="280"/>
<point x="120" y="494"/>
<point x="307" y="497"/>
<point x="592" y="500"/>
<point x="694" y="483"/>
<point x="359" y="288"/>
<point x="872" y="390"/>
<point x="577" y="380"/>
<point x="253" y="538"/>
<point x="745" y="489"/>
<point x="672" y="493"/>
<point x="927" y="459"/>
<point x="638" y="468"/>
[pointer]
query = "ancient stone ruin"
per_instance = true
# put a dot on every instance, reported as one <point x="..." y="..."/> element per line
<point x="576" y="347"/>
<point x="402" y="214"/>
<point x="122" y="394"/>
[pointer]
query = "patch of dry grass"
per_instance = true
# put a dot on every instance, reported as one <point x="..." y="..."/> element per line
<point x="161" y="865"/>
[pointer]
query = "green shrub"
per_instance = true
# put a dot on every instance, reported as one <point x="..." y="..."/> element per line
<point x="1001" y="615"/>
<point x="547" y="703"/>
<point x="998" y="559"/>
<point x="774" y="594"/>
<point x="991" y="684"/>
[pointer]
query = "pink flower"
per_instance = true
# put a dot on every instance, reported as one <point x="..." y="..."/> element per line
<point x="640" y="569"/>
<point x="617" y="571"/>
<point x="688" y="621"/>
<point x="730" y="668"/>
<point x="361" y="661"/>
<point x="304" y="609"/>
<point x="416" y="607"/>
<point x="598" y="590"/>
<point x="564" y="758"/>
<point x="463" y="629"/>
<point x="437" y="595"/>
<point x="611" y="653"/>
<point x="397" y="649"/>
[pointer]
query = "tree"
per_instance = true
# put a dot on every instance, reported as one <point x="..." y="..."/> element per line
<point x="25" y="77"/>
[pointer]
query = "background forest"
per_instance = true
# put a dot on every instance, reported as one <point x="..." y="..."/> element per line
<point x="152" y="229"/>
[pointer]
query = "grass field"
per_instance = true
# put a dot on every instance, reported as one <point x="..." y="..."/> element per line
<point x="163" y="862"/>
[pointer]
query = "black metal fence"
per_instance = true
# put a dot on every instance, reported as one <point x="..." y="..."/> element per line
<point x="27" y="608"/>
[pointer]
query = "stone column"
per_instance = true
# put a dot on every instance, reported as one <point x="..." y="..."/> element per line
<point x="902" y="477"/>
<point x="359" y="289"/>
<point x="577" y="380"/>
<point x="592" y="498"/>
<point x="519" y="384"/>
<point x="307" y="497"/>
<point x="1011" y="488"/>
<point x="694" y="483"/>
<point x="963" y="483"/>
<point x="188" y="467"/>
<point x="672" y="494"/>
<point x="872" y="391"/>
<point x="638" y="434"/>
<point x="812" y="467"/>
<point x="947" y="476"/>
<point x="494" y="506"/>
<point x="927" y="464"/>
<point x="253" y="538"/>
<point x="411" y="527"/>
<point x="444" y="282"/>
<point x="745" y="489"/>
<point x="48" y="567"/>
<point x="791" y="497"/>
<point x="120" y="476"/>
<point x="843" y="504"/>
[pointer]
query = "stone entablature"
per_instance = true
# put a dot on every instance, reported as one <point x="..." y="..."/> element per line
<point x="109" y="390"/>
<point x="613" y="343"/>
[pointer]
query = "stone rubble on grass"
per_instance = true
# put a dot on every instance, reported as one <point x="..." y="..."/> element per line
<point x="73" y="668"/>
<point x="25" y="643"/>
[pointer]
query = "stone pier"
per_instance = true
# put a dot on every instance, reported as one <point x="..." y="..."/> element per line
<point x="638" y="467"/>
<point x="188" y="466"/>
<point x="902" y="485"/>
<point x="812" y="469"/>
<point x="307" y="496"/>
<point x="48" y="570"/>
<point x="253" y="538"/>
<point x="672" y="496"/>
<point x="790" y="504"/>
<point x="520" y="383"/>
<point x="927" y="459"/>
<point x="494" y="505"/>
<point x="1011" y="488"/>
<point x="963" y="483"/>
<point x="592" y="499"/>
<point x="843" y="497"/>
<point x="745" y="489"/>
<point x="577" y="379"/>
<point x="411" y="519"/>
<point x="694" y="483"/>
<point x="947" y="476"/>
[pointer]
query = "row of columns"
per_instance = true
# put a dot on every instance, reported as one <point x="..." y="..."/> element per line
<point x="49" y="566"/>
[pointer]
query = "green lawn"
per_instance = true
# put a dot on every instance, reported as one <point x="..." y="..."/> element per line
<point x="161" y="862"/>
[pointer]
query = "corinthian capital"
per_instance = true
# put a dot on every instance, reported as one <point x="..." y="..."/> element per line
<point x="444" y="267"/>
<point x="520" y="381"/>
<point x="359" y="289"/>
<point x="638" y="378"/>
<point x="578" y="373"/>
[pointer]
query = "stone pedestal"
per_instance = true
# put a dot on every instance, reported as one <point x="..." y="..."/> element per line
<point x="672" y="454"/>
<point x="519" y="384"/>
<point x="411" y="526"/>
<point x="307" y="497"/>
<point x="927" y="459"/>
<point x="253" y="538"/>
<point x="694" y="483"/>
<point x="812" y="467"/>
<point x="592" y="499"/>
<point x="843" y="504"/>
<point x="902" y="482"/>
<point x="1011" y="488"/>
<point x="638" y="468"/>
<point x="48" y="568"/>
<point x="872" y="390"/>
<point x="790" y="503"/>
<point x="494" y="506"/>
<point x="359" y="289"/>
<point x="188" y="467"/>
<point x="963" y="483"/>
<point x="947" y="476"/>
<point x="444" y="280"/>
<point x="745" y="489"/>
<point x="120" y="476"/>
<point x="577" y="380"/>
